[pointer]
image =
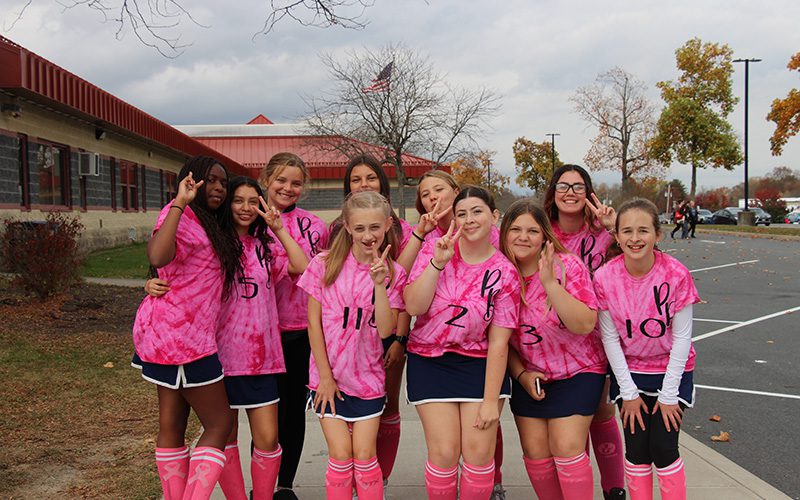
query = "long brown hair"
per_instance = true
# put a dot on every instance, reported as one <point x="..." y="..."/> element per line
<point x="343" y="243"/>
<point x="645" y="206"/>
<point x="517" y="209"/>
<point x="550" y="195"/>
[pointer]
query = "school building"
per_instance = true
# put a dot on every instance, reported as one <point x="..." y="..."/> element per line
<point x="67" y="145"/>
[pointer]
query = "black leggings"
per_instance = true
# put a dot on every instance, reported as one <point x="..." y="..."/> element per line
<point x="293" y="391"/>
<point x="652" y="445"/>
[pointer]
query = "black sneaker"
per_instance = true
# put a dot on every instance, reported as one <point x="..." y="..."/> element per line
<point x="614" y="494"/>
<point x="284" y="494"/>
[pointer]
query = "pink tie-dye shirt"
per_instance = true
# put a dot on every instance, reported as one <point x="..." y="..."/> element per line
<point x="352" y="341"/>
<point x="643" y="308"/>
<point x="543" y="342"/>
<point x="407" y="228"/>
<point x="248" y="336"/>
<point x="467" y="300"/>
<point x="311" y="233"/>
<point x="589" y="245"/>
<point x="179" y="327"/>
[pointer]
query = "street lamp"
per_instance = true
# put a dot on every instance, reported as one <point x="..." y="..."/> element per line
<point x="553" y="143"/>
<point x="746" y="85"/>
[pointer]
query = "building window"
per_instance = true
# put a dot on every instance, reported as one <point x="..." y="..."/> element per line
<point x="48" y="165"/>
<point x="169" y="188"/>
<point x="129" y="182"/>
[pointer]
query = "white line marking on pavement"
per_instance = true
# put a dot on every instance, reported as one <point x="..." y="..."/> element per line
<point x="744" y="323"/>
<point x="714" y="242"/>
<point x="724" y="265"/>
<point x="717" y="321"/>
<point x="747" y="391"/>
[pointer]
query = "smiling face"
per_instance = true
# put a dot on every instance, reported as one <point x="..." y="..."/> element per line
<point x="363" y="178"/>
<point x="637" y="236"/>
<point x="243" y="208"/>
<point x="286" y="187"/>
<point x="525" y="238"/>
<point x="433" y="189"/>
<point x="475" y="219"/>
<point x="570" y="202"/>
<point x="367" y="227"/>
<point x="216" y="187"/>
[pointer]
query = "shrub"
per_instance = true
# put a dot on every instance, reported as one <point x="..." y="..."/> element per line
<point x="43" y="254"/>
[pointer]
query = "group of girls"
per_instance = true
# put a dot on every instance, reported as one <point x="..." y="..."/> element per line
<point x="533" y="312"/>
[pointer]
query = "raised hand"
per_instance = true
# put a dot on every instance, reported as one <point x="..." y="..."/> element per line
<point x="546" y="274"/>
<point x="271" y="215"/>
<point x="445" y="246"/>
<point x="429" y="221"/>
<point x="605" y="214"/>
<point x="378" y="268"/>
<point x="187" y="190"/>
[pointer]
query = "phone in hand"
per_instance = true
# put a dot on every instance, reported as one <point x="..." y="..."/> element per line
<point x="538" y="386"/>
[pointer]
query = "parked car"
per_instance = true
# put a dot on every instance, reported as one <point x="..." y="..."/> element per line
<point x="724" y="216"/>
<point x="703" y="216"/>
<point x="792" y="218"/>
<point x="761" y="217"/>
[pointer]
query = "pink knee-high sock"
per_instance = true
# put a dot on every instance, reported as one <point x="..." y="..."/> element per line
<point x="387" y="443"/>
<point x="441" y="483"/>
<point x="672" y="481"/>
<point x="264" y="469"/>
<point x="231" y="480"/>
<point x="173" y="466"/>
<point x="339" y="479"/>
<point x="476" y="481"/>
<point x="575" y="477"/>
<point x="205" y="467"/>
<point x="640" y="481"/>
<point x="607" y="443"/>
<point x="498" y="457"/>
<point x="544" y="478"/>
<point x="369" y="480"/>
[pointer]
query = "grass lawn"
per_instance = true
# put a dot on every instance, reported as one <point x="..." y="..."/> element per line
<point x="782" y="231"/>
<point x="76" y="420"/>
<point x="129" y="261"/>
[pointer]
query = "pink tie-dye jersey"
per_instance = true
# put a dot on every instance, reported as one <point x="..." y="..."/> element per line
<point x="179" y="327"/>
<point x="467" y="300"/>
<point x="543" y="342"/>
<point x="407" y="228"/>
<point x="351" y="338"/>
<point x="589" y="245"/>
<point x="311" y="233"/>
<point x="248" y="336"/>
<point x="642" y="308"/>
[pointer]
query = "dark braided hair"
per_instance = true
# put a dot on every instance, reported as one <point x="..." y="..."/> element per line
<point x="258" y="228"/>
<point x="224" y="240"/>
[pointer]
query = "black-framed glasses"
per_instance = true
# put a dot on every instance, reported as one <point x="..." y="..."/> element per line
<point x="577" y="188"/>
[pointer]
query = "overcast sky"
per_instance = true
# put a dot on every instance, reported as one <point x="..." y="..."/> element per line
<point x="535" y="54"/>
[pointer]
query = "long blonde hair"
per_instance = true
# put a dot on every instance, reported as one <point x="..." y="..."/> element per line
<point x="343" y="243"/>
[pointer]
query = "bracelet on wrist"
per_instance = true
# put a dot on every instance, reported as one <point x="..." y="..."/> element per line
<point x="415" y="235"/>
<point x="520" y="374"/>
<point x="176" y="206"/>
<point x="401" y="339"/>
<point x="440" y="269"/>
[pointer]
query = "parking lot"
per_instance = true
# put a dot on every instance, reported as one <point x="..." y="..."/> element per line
<point x="747" y="339"/>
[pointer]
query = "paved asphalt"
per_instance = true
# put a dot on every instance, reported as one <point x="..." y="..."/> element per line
<point x="764" y="430"/>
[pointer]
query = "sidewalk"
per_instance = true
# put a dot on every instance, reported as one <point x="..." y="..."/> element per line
<point x="710" y="476"/>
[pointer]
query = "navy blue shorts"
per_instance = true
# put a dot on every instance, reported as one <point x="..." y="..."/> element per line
<point x="449" y="378"/>
<point x="351" y="409"/>
<point x="650" y="384"/>
<point x="251" y="391"/>
<point x="578" y="395"/>
<point x="203" y="371"/>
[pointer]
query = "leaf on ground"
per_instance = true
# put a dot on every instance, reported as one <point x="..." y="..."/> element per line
<point x="722" y="437"/>
<point x="715" y="418"/>
<point x="108" y="365"/>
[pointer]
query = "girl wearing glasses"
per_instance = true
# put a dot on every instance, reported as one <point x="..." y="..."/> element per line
<point x="585" y="227"/>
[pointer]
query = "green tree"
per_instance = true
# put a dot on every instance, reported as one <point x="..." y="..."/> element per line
<point x="692" y="127"/>
<point x="786" y="114"/>
<point x="534" y="163"/>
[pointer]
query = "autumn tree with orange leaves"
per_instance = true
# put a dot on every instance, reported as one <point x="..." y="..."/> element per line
<point x="618" y="106"/>
<point x="786" y="114"/>
<point x="534" y="162"/>
<point x="476" y="169"/>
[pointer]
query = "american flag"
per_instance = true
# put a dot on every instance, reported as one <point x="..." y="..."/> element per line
<point x="381" y="82"/>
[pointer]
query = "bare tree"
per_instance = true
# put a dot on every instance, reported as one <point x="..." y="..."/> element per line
<point x="617" y="105"/>
<point x="418" y="112"/>
<point x="157" y="23"/>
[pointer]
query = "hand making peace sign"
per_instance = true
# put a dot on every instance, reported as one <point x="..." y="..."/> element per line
<point x="605" y="214"/>
<point x="445" y="246"/>
<point x="429" y="221"/>
<point x="271" y="215"/>
<point x="379" y="268"/>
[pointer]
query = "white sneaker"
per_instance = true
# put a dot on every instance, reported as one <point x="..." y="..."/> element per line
<point x="498" y="493"/>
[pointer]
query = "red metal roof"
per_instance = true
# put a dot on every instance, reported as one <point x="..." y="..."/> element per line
<point x="38" y="79"/>
<point x="260" y="120"/>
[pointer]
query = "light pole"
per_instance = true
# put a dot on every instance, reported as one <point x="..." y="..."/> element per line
<point x="553" y="148"/>
<point x="746" y="85"/>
